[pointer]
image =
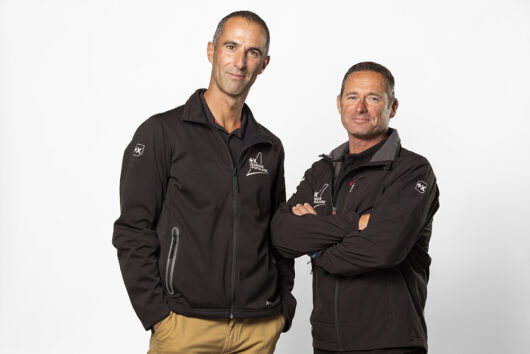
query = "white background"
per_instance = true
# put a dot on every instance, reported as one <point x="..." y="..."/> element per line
<point x="77" y="78"/>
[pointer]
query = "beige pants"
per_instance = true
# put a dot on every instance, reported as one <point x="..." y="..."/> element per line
<point x="181" y="334"/>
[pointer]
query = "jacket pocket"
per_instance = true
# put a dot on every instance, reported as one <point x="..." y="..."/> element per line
<point x="172" y="259"/>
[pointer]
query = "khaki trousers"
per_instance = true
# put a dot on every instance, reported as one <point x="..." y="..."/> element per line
<point x="181" y="334"/>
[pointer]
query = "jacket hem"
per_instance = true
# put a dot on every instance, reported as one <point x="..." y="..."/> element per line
<point x="350" y="343"/>
<point x="224" y="313"/>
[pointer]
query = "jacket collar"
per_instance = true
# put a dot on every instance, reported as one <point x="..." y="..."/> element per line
<point x="385" y="155"/>
<point x="194" y="112"/>
<point x="387" y="152"/>
<point x="390" y="149"/>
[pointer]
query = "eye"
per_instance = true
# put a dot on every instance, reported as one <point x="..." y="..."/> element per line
<point x="254" y="53"/>
<point x="230" y="46"/>
<point x="351" y="98"/>
<point x="373" y="99"/>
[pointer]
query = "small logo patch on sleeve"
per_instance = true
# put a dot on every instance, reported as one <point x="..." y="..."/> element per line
<point x="138" y="150"/>
<point x="421" y="186"/>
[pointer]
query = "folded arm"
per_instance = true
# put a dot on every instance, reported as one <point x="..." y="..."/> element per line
<point x="396" y="222"/>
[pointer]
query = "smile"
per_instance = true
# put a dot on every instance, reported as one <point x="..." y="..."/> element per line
<point x="360" y="120"/>
<point x="236" y="76"/>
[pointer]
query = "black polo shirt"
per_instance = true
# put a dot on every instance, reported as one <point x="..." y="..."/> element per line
<point x="234" y="140"/>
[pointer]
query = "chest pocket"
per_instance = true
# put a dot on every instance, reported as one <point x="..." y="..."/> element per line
<point x="362" y="190"/>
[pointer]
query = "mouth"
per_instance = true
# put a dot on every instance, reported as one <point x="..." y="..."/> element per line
<point x="360" y="120"/>
<point x="236" y="76"/>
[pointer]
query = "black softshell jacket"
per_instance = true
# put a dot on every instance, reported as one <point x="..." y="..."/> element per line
<point x="193" y="234"/>
<point x="369" y="286"/>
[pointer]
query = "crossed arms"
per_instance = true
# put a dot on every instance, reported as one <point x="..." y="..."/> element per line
<point x="351" y="243"/>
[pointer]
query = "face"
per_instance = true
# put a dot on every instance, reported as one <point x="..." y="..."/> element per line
<point x="238" y="58"/>
<point x="364" y="108"/>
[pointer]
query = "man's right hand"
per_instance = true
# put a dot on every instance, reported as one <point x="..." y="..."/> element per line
<point x="155" y="327"/>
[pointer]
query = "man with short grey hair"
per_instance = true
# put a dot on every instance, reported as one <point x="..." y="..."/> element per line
<point x="364" y="215"/>
<point x="199" y="186"/>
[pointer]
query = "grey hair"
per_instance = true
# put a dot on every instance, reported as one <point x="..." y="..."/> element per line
<point x="378" y="68"/>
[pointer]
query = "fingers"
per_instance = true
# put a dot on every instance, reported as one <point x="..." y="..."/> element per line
<point x="297" y="210"/>
<point x="302" y="209"/>
<point x="310" y="209"/>
<point x="363" y="221"/>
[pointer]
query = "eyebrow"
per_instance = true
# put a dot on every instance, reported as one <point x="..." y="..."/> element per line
<point x="237" y="45"/>
<point x="368" y="94"/>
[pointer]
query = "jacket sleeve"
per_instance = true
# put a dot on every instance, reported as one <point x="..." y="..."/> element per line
<point x="396" y="221"/>
<point x="285" y="265"/>
<point x="144" y="175"/>
<point x="296" y="236"/>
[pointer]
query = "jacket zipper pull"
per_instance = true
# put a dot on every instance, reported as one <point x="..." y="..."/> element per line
<point x="334" y="212"/>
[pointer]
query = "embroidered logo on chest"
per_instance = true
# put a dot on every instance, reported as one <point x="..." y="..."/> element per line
<point x="256" y="166"/>
<point x="317" y="197"/>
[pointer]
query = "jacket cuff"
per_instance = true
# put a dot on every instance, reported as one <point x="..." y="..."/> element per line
<point x="288" y="309"/>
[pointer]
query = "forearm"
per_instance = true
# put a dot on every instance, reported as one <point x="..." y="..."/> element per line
<point x="295" y="235"/>
<point x="386" y="241"/>
<point x="137" y="255"/>
<point x="286" y="275"/>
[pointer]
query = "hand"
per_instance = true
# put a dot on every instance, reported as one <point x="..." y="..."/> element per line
<point x="306" y="208"/>
<point x="155" y="327"/>
<point x="363" y="221"/>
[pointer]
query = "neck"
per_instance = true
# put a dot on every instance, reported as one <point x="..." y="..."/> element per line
<point x="359" y="145"/>
<point x="225" y="109"/>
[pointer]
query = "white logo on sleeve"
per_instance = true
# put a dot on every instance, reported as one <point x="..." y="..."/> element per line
<point x="256" y="166"/>
<point x="138" y="150"/>
<point x="421" y="186"/>
<point x="317" y="197"/>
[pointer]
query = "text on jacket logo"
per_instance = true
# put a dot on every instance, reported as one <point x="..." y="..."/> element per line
<point x="256" y="166"/>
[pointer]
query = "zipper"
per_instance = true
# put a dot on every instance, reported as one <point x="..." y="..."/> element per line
<point x="334" y="196"/>
<point x="336" y="313"/>
<point x="336" y="295"/>
<point x="171" y="259"/>
<point x="235" y="192"/>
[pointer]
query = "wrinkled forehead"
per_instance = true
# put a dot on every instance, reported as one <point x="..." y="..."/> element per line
<point x="366" y="80"/>
<point x="240" y="29"/>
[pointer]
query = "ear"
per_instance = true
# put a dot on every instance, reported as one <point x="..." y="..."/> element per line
<point x="339" y="108"/>
<point x="264" y="64"/>
<point x="394" y="107"/>
<point x="209" y="51"/>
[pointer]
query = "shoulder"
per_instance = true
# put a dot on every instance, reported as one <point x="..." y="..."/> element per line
<point x="411" y="158"/>
<point x="161" y="124"/>
<point x="274" y="139"/>
<point x="408" y="161"/>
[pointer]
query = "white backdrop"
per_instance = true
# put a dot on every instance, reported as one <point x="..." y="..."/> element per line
<point x="78" y="77"/>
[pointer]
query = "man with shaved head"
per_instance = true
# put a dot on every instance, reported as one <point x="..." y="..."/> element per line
<point x="199" y="186"/>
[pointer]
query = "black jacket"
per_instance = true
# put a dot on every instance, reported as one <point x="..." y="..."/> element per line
<point x="370" y="286"/>
<point x="193" y="234"/>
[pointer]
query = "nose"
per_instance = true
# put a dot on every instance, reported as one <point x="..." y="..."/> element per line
<point x="240" y="60"/>
<point x="361" y="106"/>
